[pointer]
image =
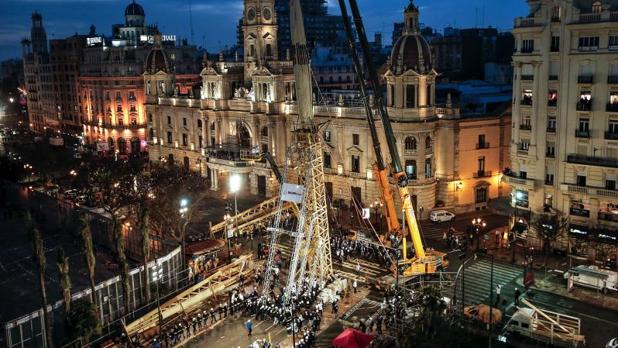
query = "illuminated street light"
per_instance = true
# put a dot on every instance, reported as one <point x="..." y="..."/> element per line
<point x="11" y="99"/>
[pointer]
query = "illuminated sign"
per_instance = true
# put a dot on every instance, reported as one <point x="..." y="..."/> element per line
<point x="150" y="38"/>
<point x="91" y="41"/>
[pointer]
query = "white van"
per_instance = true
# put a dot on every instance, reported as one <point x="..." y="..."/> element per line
<point x="593" y="277"/>
<point x="441" y="216"/>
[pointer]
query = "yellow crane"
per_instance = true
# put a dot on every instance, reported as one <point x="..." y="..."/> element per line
<point x="424" y="261"/>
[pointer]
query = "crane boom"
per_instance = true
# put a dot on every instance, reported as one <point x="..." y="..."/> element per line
<point x="398" y="174"/>
<point x="392" y="220"/>
<point x="302" y="68"/>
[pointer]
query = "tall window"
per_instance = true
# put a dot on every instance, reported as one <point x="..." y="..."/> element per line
<point x="612" y="127"/>
<point x="428" y="168"/>
<point x="555" y="44"/>
<point x="481" y="195"/>
<point x="551" y="124"/>
<point x="428" y="142"/>
<point x="327" y="136"/>
<point x="185" y="140"/>
<point x="481" y="164"/>
<point x="584" y="125"/>
<point x="355" y="139"/>
<point x="550" y="150"/>
<point x="269" y="50"/>
<point x="527" y="46"/>
<point x="184" y="121"/>
<point x="411" y="169"/>
<point x="588" y="43"/>
<point x="200" y="142"/>
<point x="327" y="160"/>
<point x="169" y="119"/>
<point x="581" y="179"/>
<point x="410" y="96"/>
<point x="481" y="144"/>
<point x="391" y="95"/>
<point x="356" y="164"/>
<point x="169" y="137"/>
<point x="410" y="143"/>
<point x="428" y="95"/>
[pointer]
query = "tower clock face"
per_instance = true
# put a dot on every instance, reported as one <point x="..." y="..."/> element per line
<point x="267" y="14"/>
<point x="251" y="15"/>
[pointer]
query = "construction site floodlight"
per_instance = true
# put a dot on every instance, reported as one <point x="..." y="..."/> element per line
<point x="235" y="182"/>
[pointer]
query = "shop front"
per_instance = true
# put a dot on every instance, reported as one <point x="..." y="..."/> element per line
<point x="594" y="245"/>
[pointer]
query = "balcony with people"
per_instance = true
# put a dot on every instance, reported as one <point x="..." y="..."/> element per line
<point x="526" y="98"/>
<point x="585" y="102"/>
<point x="612" y="105"/>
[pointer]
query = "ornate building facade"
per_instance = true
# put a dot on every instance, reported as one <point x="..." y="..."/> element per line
<point x="250" y="106"/>
<point x="564" y="151"/>
<point x="111" y="82"/>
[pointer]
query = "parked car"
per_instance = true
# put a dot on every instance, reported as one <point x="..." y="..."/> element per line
<point x="441" y="216"/>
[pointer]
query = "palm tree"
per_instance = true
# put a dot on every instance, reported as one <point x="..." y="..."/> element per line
<point x="65" y="280"/>
<point x="121" y="258"/>
<point x="39" y="256"/>
<point x="89" y="254"/>
<point x="144" y="231"/>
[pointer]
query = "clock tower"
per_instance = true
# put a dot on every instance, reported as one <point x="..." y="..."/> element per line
<point x="260" y="32"/>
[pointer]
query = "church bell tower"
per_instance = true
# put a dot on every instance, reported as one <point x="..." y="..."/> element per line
<point x="260" y="32"/>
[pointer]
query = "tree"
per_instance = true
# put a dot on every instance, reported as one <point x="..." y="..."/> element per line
<point x="170" y="185"/>
<point x="145" y="232"/>
<point x="89" y="255"/>
<point x="111" y="185"/>
<point x="39" y="257"/>
<point x="549" y="227"/>
<point x="65" y="279"/>
<point x="83" y="321"/>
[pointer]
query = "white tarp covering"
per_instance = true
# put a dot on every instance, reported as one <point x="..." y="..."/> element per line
<point x="292" y="193"/>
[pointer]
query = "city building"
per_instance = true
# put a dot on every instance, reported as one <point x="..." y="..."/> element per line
<point x="332" y="68"/>
<point x="245" y="108"/>
<point x="320" y="27"/>
<point x="39" y="79"/>
<point x="111" y="81"/>
<point x="65" y="58"/>
<point x="564" y="150"/>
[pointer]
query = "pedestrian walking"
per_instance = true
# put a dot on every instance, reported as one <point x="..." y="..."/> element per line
<point x="517" y="294"/>
<point x="249" y="326"/>
<point x="498" y="289"/>
<point x="354" y="285"/>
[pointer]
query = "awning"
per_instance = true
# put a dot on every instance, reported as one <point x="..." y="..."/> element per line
<point x="351" y="338"/>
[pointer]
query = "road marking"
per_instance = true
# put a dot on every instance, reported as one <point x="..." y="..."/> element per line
<point x="260" y="323"/>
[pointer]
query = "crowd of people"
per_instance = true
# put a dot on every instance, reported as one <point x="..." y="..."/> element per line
<point x="302" y="314"/>
<point x="344" y="248"/>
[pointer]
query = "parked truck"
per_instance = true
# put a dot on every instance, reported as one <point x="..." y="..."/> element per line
<point x="552" y="328"/>
<point x="592" y="277"/>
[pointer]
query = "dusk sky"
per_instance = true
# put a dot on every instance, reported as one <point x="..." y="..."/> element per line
<point x="215" y="21"/>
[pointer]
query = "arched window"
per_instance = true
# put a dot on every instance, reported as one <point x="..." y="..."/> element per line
<point x="199" y="123"/>
<point x="410" y="143"/>
<point x="264" y="131"/>
<point x="428" y="142"/>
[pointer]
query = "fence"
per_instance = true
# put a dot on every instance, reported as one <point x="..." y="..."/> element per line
<point x="27" y="331"/>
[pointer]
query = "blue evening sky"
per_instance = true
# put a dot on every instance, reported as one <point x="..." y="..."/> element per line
<point x="214" y="21"/>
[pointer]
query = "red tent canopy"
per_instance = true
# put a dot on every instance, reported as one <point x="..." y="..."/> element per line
<point x="351" y="338"/>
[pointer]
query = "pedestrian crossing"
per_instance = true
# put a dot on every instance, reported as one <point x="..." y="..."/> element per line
<point x="434" y="231"/>
<point x="476" y="281"/>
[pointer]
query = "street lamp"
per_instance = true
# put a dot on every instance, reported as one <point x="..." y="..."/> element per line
<point x="184" y="208"/>
<point x="235" y="182"/>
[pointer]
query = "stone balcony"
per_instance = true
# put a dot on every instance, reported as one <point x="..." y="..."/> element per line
<point x="589" y="191"/>
<point x="513" y="180"/>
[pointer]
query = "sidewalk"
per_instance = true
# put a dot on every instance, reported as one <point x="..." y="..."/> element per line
<point x="552" y="282"/>
<point x="590" y="296"/>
